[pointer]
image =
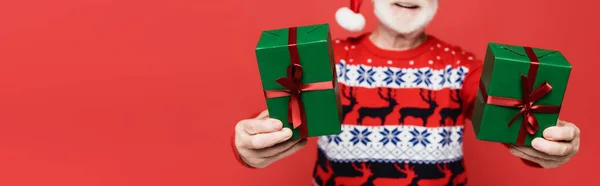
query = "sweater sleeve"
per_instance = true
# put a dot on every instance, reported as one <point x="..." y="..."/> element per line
<point x="469" y="91"/>
<point x="470" y="84"/>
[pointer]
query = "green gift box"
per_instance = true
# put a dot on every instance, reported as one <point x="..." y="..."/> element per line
<point x="520" y="93"/>
<point x="298" y="75"/>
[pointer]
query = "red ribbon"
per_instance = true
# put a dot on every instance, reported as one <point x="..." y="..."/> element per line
<point x="526" y="104"/>
<point x="294" y="87"/>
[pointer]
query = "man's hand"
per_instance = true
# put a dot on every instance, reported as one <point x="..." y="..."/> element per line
<point x="262" y="141"/>
<point x="560" y="143"/>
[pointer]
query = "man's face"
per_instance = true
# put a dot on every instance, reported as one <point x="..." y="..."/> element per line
<point x="405" y="16"/>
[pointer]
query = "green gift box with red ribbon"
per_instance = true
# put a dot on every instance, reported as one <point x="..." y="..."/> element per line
<point x="520" y="93"/>
<point x="298" y="76"/>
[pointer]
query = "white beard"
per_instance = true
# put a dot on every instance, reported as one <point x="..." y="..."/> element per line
<point x="403" y="25"/>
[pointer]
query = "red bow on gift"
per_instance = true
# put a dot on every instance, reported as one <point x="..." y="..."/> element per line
<point x="294" y="88"/>
<point x="526" y="104"/>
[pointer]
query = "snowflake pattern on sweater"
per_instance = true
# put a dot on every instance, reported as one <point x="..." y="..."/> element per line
<point x="413" y="137"/>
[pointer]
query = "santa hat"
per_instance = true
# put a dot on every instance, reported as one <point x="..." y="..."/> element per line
<point x="350" y="18"/>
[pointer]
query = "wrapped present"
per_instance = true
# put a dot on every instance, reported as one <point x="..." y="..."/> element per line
<point x="298" y="76"/>
<point x="520" y="93"/>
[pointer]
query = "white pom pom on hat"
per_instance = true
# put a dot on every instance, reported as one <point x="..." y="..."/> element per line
<point x="350" y="18"/>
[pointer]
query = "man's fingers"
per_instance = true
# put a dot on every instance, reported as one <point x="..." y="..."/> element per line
<point x="517" y="152"/>
<point x="535" y="153"/>
<point x="276" y="149"/>
<point x="260" y="141"/>
<point x="561" y="133"/>
<point x="258" y="126"/>
<point x="552" y="147"/>
<point x="290" y="151"/>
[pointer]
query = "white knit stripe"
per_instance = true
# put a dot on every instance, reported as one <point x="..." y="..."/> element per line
<point x="391" y="77"/>
<point x="401" y="143"/>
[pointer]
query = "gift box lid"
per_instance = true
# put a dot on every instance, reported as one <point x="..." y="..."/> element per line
<point x="518" y="54"/>
<point x="305" y="35"/>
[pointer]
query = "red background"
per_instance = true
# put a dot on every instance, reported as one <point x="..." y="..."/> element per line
<point x="131" y="92"/>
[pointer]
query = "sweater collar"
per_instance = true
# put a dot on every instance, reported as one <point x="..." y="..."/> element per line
<point x="397" y="54"/>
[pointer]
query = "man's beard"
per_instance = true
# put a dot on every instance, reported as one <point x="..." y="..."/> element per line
<point x="384" y="12"/>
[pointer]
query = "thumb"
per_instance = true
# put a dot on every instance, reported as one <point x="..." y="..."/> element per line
<point x="264" y="114"/>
